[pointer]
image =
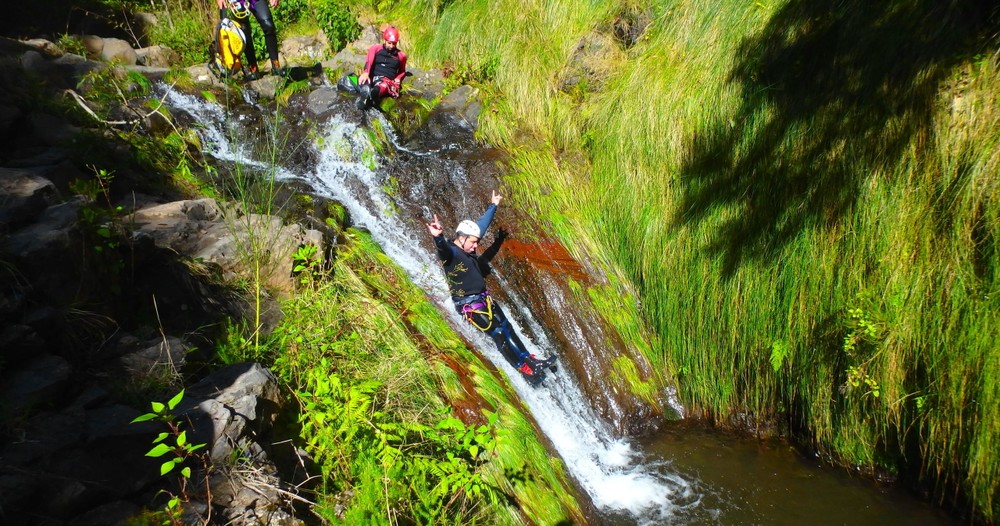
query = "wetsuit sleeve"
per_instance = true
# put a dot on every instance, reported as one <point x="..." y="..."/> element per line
<point x="443" y="248"/>
<point x="402" y="68"/>
<point x="487" y="256"/>
<point x="486" y="219"/>
<point x="370" y="59"/>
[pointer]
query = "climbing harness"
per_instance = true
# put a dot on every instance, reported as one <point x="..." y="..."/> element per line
<point x="476" y="306"/>
<point x="239" y="8"/>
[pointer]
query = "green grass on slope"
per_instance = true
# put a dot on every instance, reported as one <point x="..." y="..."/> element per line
<point x="377" y="368"/>
<point x="812" y="220"/>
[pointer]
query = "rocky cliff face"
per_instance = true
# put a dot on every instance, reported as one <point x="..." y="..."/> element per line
<point x="101" y="315"/>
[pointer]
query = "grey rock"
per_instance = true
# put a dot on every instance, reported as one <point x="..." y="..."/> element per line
<point x="463" y="103"/>
<point x="322" y="100"/>
<point x="171" y="353"/>
<point x="51" y="130"/>
<point x="428" y="84"/>
<point x="41" y="381"/>
<point x="111" y="514"/>
<point x="93" y="44"/>
<point x="306" y="48"/>
<point x="228" y="404"/>
<point x="24" y="196"/>
<point x="49" y="237"/>
<point x="46" y="47"/>
<point x="266" y="86"/>
<point x="118" y="50"/>
<point x="157" y="56"/>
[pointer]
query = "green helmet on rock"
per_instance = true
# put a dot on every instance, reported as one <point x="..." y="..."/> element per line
<point x="391" y="34"/>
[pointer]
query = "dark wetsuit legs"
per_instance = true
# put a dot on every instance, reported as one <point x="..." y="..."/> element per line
<point x="503" y="335"/>
<point x="262" y="12"/>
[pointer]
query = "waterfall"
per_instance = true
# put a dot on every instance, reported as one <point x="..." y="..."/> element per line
<point x="618" y="479"/>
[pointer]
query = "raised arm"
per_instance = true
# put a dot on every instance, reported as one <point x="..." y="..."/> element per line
<point x="487" y="217"/>
<point x="441" y="244"/>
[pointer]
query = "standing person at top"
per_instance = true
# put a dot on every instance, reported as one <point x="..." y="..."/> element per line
<point x="466" y="271"/>
<point x="385" y="68"/>
<point x="240" y="13"/>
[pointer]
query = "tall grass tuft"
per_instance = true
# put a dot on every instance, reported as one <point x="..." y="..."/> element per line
<point x="802" y="195"/>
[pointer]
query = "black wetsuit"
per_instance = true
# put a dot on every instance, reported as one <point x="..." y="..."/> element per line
<point x="262" y="12"/>
<point x="466" y="274"/>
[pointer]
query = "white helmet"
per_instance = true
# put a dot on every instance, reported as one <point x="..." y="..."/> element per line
<point x="468" y="228"/>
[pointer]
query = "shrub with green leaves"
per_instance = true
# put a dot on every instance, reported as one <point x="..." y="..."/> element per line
<point x="417" y="473"/>
<point x="337" y="21"/>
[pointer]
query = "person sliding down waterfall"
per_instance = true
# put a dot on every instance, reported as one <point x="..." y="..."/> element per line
<point x="466" y="272"/>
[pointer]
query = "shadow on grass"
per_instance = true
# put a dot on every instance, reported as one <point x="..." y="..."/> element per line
<point x="831" y="93"/>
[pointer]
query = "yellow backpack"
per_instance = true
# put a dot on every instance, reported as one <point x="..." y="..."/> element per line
<point x="229" y="42"/>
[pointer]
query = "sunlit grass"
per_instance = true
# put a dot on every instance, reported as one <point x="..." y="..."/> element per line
<point x="371" y="324"/>
<point x="756" y="172"/>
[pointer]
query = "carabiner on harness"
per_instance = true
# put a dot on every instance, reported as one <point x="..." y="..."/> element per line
<point x="476" y="307"/>
<point x="239" y="8"/>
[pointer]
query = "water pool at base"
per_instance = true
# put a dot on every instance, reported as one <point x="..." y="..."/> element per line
<point x="746" y="482"/>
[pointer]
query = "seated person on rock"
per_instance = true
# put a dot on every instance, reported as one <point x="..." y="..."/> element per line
<point x="465" y="271"/>
<point x="385" y="68"/>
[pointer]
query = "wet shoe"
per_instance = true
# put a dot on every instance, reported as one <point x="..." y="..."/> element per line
<point x="253" y="75"/>
<point x="279" y="72"/>
<point x="549" y="362"/>
<point x="533" y="375"/>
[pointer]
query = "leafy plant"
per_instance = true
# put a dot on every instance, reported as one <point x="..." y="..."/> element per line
<point x="307" y="264"/>
<point x="858" y="346"/>
<point x="174" y="444"/>
<point x="337" y="21"/>
<point x="427" y="474"/>
<point x="102" y="227"/>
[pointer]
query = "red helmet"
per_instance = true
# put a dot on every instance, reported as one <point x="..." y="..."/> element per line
<point x="391" y="34"/>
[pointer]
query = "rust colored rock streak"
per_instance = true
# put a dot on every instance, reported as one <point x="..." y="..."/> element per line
<point x="547" y="256"/>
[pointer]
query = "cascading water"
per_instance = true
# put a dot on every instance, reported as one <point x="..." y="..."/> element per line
<point x="628" y="485"/>
<point x="611" y="472"/>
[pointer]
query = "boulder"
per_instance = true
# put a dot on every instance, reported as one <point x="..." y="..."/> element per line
<point x="40" y="382"/>
<point x="157" y="56"/>
<point x="305" y="48"/>
<point x="71" y="69"/>
<point x="322" y="100"/>
<point x="266" y="86"/>
<point x="144" y="23"/>
<point x="93" y="44"/>
<point x="428" y="84"/>
<point x="199" y="230"/>
<point x="47" y="238"/>
<point x="51" y="130"/>
<point x="170" y="352"/>
<point x="235" y="403"/>
<point x="24" y="196"/>
<point x="118" y="50"/>
<point x="46" y="47"/>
